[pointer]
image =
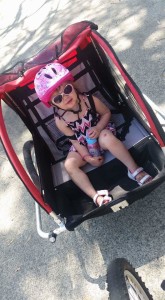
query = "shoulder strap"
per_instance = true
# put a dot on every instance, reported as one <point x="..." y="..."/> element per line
<point x="92" y="104"/>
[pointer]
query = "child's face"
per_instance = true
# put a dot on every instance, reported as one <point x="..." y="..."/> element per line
<point x="65" y="96"/>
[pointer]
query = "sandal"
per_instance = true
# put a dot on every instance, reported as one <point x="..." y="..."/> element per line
<point x="106" y="197"/>
<point x="143" y="180"/>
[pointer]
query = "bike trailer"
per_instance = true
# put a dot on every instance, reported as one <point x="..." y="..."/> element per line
<point x="140" y="126"/>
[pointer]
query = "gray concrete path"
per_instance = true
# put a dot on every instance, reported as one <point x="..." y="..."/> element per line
<point x="75" y="267"/>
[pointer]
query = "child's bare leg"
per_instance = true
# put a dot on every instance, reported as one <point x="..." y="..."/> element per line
<point x="109" y="142"/>
<point x="73" y="164"/>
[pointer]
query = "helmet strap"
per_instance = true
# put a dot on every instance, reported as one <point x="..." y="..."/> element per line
<point x="73" y="111"/>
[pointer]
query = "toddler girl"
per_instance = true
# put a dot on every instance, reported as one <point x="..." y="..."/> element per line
<point x="76" y="113"/>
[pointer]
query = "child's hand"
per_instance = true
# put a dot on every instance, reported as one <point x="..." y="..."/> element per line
<point x="94" y="161"/>
<point x="94" y="132"/>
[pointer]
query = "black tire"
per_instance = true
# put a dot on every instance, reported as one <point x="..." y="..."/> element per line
<point x="124" y="282"/>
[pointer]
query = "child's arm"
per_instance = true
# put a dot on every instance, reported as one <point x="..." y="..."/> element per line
<point x="82" y="150"/>
<point x="105" y="115"/>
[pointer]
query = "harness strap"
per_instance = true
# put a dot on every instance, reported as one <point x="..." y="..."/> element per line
<point x="92" y="104"/>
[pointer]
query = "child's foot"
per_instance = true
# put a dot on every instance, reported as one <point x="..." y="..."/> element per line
<point x="102" y="197"/>
<point x="140" y="176"/>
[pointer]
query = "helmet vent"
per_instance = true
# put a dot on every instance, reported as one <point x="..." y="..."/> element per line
<point x="54" y="70"/>
<point x="48" y="76"/>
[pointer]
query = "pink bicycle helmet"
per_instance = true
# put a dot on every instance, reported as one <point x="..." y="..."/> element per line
<point x="48" y="79"/>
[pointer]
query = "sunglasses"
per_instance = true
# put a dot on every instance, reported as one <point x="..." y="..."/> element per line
<point x="58" y="99"/>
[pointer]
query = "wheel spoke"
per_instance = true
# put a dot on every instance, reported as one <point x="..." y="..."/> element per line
<point x="134" y="289"/>
<point x="125" y="283"/>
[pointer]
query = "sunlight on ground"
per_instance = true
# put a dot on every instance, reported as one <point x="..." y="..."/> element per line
<point x="31" y="12"/>
<point x="30" y="20"/>
<point x="162" y="106"/>
<point x="130" y="24"/>
<point x="155" y="270"/>
<point x="27" y="8"/>
<point x="37" y="283"/>
<point x="34" y="21"/>
<point x="17" y="131"/>
<point x="123" y="44"/>
<point x="67" y="280"/>
<point x="23" y="20"/>
<point x="156" y="36"/>
<point x="11" y="190"/>
<point x="8" y="15"/>
<point x="11" y="209"/>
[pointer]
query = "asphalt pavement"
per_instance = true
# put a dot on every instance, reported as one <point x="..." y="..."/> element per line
<point x="74" y="268"/>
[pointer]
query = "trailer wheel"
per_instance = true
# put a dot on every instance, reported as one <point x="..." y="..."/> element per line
<point x="28" y="158"/>
<point x="124" y="282"/>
